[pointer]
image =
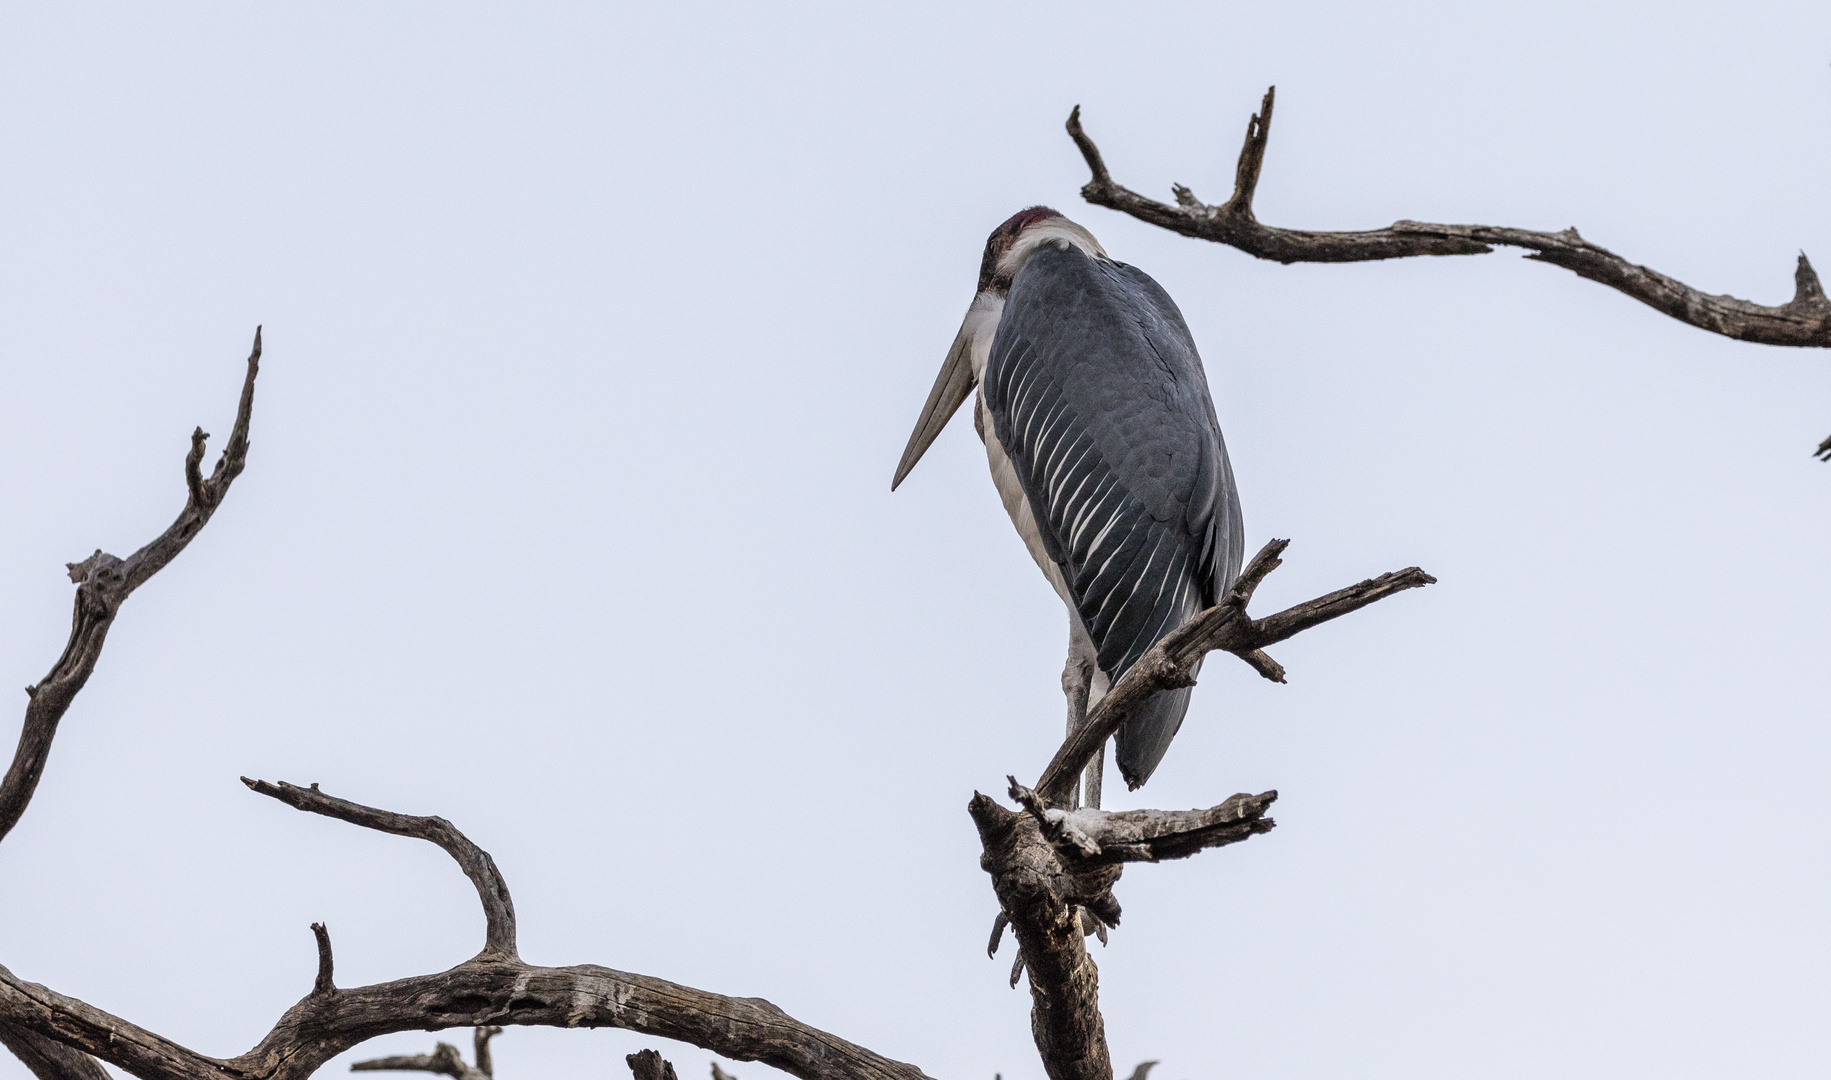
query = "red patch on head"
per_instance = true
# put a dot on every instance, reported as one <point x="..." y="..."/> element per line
<point x="1023" y="219"/>
<point x="1004" y="236"/>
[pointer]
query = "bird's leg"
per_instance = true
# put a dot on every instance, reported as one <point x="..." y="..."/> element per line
<point x="1077" y="675"/>
<point x="1090" y="780"/>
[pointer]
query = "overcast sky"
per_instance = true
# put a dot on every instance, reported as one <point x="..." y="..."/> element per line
<point x="593" y="336"/>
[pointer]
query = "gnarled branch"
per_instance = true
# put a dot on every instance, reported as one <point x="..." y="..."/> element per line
<point x="1048" y="866"/>
<point x="1053" y="869"/>
<point x="492" y="891"/>
<point x="103" y="582"/>
<point x="492" y="988"/>
<point x="1803" y="321"/>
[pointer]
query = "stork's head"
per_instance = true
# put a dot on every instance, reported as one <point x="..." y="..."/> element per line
<point x="1022" y="233"/>
<point x="1005" y="252"/>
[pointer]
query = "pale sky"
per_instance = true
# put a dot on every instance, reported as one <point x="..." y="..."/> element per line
<point x="593" y="336"/>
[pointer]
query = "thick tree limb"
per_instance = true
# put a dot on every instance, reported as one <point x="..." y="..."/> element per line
<point x="1803" y="321"/>
<point x="1226" y="627"/>
<point x="103" y="582"/>
<point x="1040" y="895"/>
<point x="1049" y="865"/>
<point x="49" y="1060"/>
<point x="492" y="988"/>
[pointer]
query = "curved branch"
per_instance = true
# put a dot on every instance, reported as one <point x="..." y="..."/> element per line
<point x="493" y="988"/>
<point x="1804" y="321"/>
<point x="492" y="890"/>
<point x="103" y="582"/>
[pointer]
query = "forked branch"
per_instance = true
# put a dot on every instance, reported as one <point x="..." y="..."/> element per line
<point x="1225" y="627"/>
<point x="1803" y="321"/>
<point x="1048" y="866"/>
<point x="103" y="583"/>
<point x="1054" y="869"/>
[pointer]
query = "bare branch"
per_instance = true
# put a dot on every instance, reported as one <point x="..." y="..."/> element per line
<point x="1226" y="627"/>
<point x="103" y="582"/>
<point x="1803" y="321"/>
<point x="492" y="890"/>
<point x="1143" y="1071"/>
<point x="492" y="988"/>
<point x="480" y="1048"/>
<point x="650" y="1065"/>
<point x="444" y="1059"/>
<point x="323" y="985"/>
<point x="1156" y="835"/>
<point x="1043" y="895"/>
<point x="1048" y="866"/>
<point x="720" y="1074"/>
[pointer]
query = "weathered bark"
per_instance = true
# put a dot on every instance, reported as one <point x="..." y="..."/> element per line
<point x="49" y="1060"/>
<point x="1048" y="865"/>
<point x="1040" y="896"/>
<point x="1803" y="321"/>
<point x="103" y="582"/>
<point x="650" y="1065"/>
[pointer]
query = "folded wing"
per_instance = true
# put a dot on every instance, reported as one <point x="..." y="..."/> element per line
<point x="1098" y="397"/>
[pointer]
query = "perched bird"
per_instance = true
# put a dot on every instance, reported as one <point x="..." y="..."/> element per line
<point x="1105" y="449"/>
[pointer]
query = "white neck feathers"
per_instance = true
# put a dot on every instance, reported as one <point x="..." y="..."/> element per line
<point x="1056" y="230"/>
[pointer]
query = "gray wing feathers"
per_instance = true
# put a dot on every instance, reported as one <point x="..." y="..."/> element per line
<point x="1098" y="397"/>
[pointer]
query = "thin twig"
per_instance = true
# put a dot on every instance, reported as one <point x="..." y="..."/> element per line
<point x="480" y="1048"/>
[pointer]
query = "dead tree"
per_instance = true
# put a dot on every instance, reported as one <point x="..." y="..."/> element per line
<point x="1052" y="871"/>
<point x="1804" y="321"/>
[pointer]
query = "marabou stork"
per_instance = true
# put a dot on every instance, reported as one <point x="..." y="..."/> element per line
<point x="1104" y="446"/>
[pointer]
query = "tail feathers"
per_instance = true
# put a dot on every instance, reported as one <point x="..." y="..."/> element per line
<point x="1145" y="736"/>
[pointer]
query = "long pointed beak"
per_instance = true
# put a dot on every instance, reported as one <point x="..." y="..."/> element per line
<point x="951" y="388"/>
